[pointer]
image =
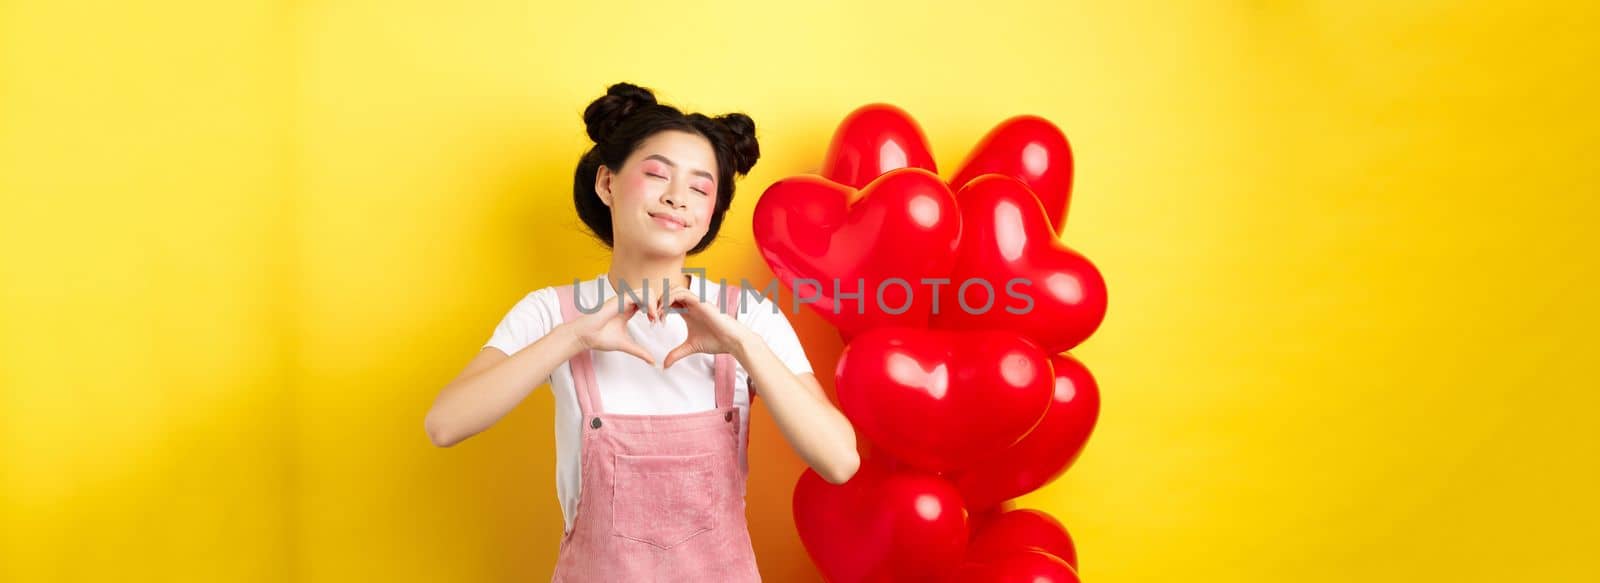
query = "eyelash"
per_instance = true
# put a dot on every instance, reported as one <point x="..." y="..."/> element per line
<point x="664" y="178"/>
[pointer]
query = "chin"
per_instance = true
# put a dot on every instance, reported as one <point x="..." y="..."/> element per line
<point x="664" y="247"/>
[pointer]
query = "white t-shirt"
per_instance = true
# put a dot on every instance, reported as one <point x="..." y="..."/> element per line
<point x="632" y="386"/>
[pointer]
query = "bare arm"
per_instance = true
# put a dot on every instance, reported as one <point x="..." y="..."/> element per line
<point x="493" y="384"/>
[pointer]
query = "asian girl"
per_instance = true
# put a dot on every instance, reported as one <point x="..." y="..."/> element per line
<point x="652" y="387"/>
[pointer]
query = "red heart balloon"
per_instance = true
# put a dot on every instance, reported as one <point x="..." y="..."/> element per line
<point x="881" y="525"/>
<point x="1021" y="529"/>
<point x="1045" y="452"/>
<point x="978" y="516"/>
<point x="1032" y="150"/>
<point x="1012" y="274"/>
<point x="903" y="225"/>
<point x="940" y="400"/>
<point x="873" y="140"/>
<point x="1018" y="566"/>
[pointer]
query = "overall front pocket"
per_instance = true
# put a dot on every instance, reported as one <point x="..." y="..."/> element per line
<point x="663" y="500"/>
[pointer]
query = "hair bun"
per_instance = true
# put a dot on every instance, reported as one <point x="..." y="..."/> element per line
<point x="604" y="115"/>
<point x="742" y="131"/>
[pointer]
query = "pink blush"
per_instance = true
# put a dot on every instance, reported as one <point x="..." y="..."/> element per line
<point x="637" y="182"/>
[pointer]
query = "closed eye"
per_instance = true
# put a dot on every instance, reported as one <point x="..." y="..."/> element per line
<point x="664" y="178"/>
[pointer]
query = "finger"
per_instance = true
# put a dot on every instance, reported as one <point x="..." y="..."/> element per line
<point x="619" y="306"/>
<point x="697" y="304"/>
<point x="679" y="353"/>
<point x="627" y="306"/>
<point x="683" y="299"/>
<point x="639" y="351"/>
<point x="635" y="305"/>
<point x="674" y="298"/>
<point x="664" y="302"/>
<point x="664" y="306"/>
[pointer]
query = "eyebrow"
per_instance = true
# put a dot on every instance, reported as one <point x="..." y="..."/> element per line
<point x="668" y="162"/>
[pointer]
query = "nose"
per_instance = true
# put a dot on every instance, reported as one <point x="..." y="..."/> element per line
<point x="673" y="196"/>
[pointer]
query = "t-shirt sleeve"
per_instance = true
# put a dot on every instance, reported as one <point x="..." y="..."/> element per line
<point x="530" y="319"/>
<point x="769" y="322"/>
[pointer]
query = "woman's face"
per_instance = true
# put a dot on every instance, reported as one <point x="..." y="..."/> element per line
<point x="662" y="197"/>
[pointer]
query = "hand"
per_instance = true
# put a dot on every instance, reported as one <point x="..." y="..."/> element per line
<point x="607" y="329"/>
<point x="710" y="330"/>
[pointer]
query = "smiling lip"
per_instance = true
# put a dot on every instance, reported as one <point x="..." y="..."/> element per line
<point x="669" y="221"/>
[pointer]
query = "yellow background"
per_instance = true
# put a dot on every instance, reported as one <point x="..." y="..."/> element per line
<point x="243" y="244"/>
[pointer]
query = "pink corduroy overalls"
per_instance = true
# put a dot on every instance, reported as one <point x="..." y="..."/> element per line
<point x="662" y="497"/>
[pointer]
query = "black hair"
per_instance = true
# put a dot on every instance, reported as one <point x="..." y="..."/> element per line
<point x="628" y="114"/>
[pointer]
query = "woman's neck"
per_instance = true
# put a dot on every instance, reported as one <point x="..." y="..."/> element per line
<point x="630" y="273"/>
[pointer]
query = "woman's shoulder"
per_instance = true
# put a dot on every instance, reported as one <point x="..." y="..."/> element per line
<point x="547" y="299"/>
<point x="539" y="303"/>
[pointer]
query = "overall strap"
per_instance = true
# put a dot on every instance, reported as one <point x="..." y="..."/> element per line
<point x="725" y="371"/>
<point x="582" y="364"/>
